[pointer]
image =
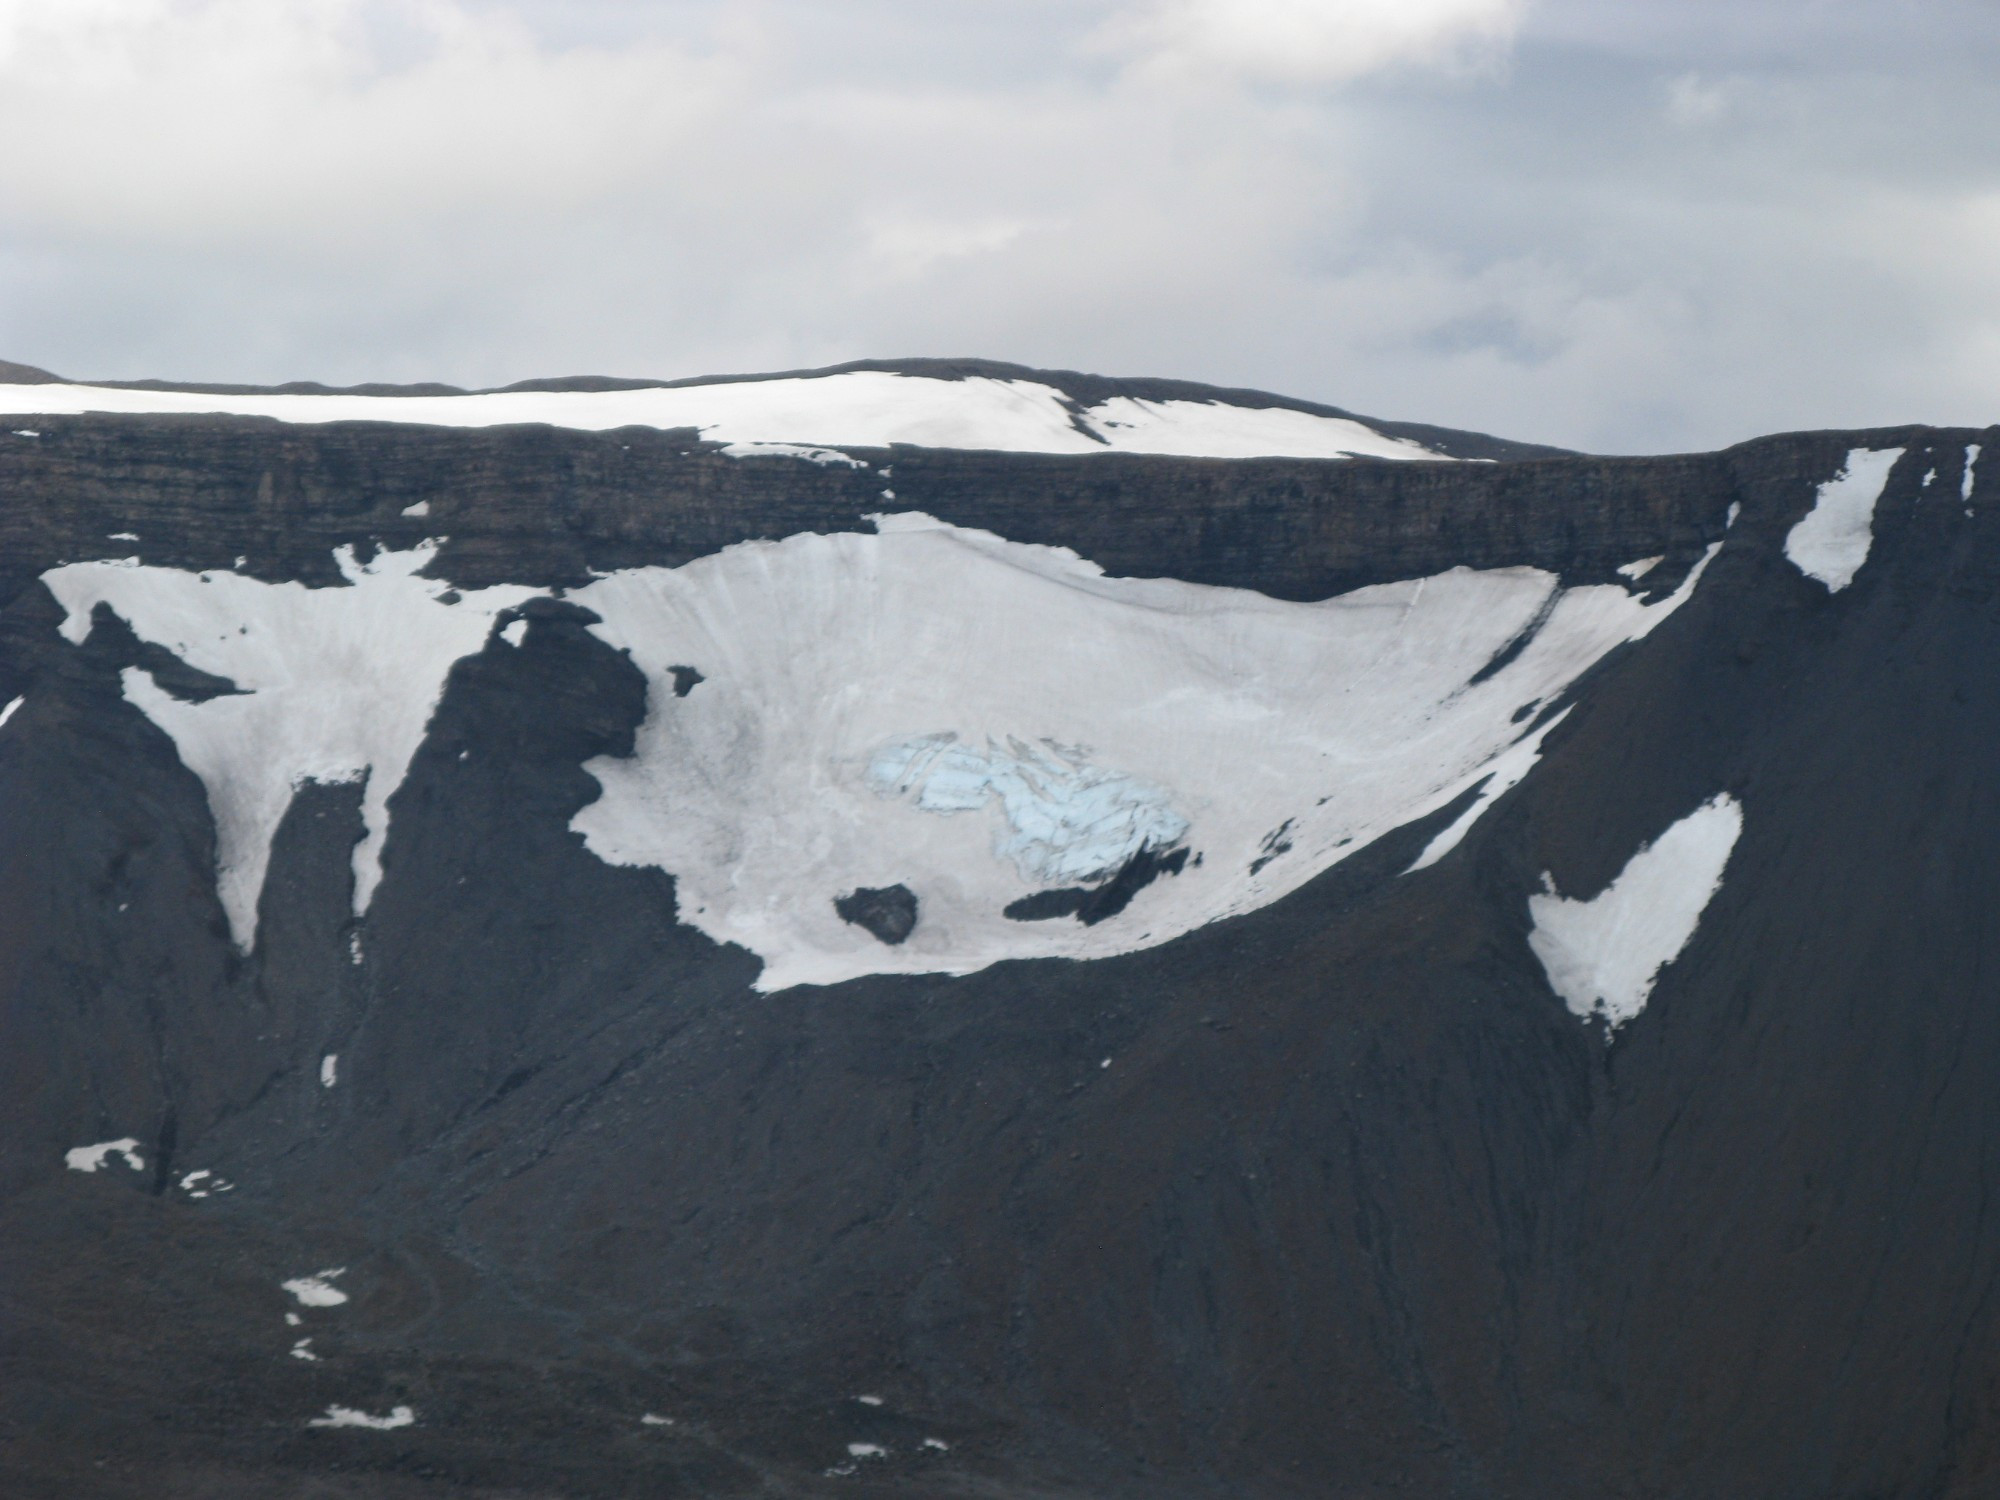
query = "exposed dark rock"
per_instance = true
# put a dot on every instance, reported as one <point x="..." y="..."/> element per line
<point x="1091" y="904"/>
<point x="890" y="912"/>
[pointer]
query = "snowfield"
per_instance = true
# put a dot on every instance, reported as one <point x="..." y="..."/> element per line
<point x="993" y="747"/>
<point x="805" y="418"/>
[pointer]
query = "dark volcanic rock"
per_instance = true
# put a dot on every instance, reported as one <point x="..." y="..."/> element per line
<point x="1334" y="1197"/>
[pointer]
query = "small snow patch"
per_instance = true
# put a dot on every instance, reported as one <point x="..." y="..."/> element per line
<point x="869" y="1400"/>
<point x="420" y="509"/>
<point x="1832" y="542"/>
<point x="792" y="450"/>
<point x="124" y="536"/>
<point x="27" y="432"/>
<point x="650" y="1420"/>
<point x="937" y="1445"/>
<point x="866" y="1450"/>
<point x="9" y="711"/>
<point x="514" y="632"/>
<point x="1603" y="956"/>
<point x="354" y="946"/>
<point x="318" y="1289"/>
<point x="1965" y="484"/>
<point x="93" y="1158"/>
<point x="329" y="1070"/>
<point x="347" y="1416"/>
<point x="303" y="1350"/>
<point x="1637" y="570"/>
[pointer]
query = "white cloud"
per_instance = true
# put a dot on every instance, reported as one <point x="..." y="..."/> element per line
<point x="1310" y="41"/>
<point x="1639" y="246"/>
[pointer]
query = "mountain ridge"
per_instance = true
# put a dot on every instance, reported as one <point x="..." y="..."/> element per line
<point x="1336" y="1195"/>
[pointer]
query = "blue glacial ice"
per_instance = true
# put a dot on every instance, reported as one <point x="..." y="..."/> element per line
<point x="1067" y="822"/>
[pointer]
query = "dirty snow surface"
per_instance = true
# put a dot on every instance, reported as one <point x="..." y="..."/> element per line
<point x="329" y="684"/>
<point x="800" y="416"/>
<point x="1012" y="754"/>
<point x="1604" y="955"/>
<point x="1833" y="541"/>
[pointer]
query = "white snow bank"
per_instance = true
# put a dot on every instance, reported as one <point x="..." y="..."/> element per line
<point x="1061" y="718"/>
<point x="329" y="1070"/>
<point x="318" y="1290"/>
<point x="347" y="1416"/>
<point x="805" y="417"/>
<point x="927" y="706"/>
<point x="335" y="685"/>
<point x="10" y="710"/>
<point x="94" y="1158"/>
<point x="1604" y="955"/>
<point x="1832" y="542"/>
<point x="1965" y="483"/>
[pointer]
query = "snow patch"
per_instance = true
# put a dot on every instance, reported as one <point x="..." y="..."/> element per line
<point x="333" y="685"/>
<point x="329" y="1070"/>
<point x="1965" y="483"/>
<point x="421" y="509"/>
<point x="1637" y="570"/>
<point x="937" y="1445"/>
<point x="792" y="450"/>
<point x="318" y="1289"/>
<point x="805" y="417"/>
<point x="1215" y="429"/>
<point x="650" y="1420"/>
<point x="1603" y="956"/>
<point x="26" y="432"/>
<point x="866" y="1450"/>
<point x="514" y="632"/>
<point x="94" y="1158"/>
<point x="869" y="1400"/>
<point x="1833" y="540"/>
<point x="303" y="1350"/>
<point x="1034" y="721"/>
<point x="10" y="710"/>
<point x="347" y="1416"/>
<point x="123" y="536"/>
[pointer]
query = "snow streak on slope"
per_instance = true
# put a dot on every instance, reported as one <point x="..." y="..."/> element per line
<point x="1604" y="955"/>
<point x="793" y="416"/>
<point x="1832" y="542"/>
<point x="1268" y="739"/>
<point x="331" y="685"/>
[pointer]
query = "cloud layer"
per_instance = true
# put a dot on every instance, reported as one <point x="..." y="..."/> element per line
<point x="1656" y="225"/>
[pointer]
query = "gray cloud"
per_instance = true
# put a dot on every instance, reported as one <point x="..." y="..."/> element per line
<point x="1649" y="224"/>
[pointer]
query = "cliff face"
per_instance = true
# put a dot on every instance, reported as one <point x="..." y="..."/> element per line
<point x="1334" y="1194"/>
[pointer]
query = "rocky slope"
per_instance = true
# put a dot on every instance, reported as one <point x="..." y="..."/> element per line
<point x="1543" y="1046"/>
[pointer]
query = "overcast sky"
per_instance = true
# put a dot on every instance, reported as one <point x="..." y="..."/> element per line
<point x="1623" y="225"/>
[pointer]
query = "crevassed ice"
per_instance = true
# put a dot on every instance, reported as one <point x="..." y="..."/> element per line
<point x="1603" y="956"/>
<point x="944" y="663"/>
<point x="1834" y="539"/>
<point x="861" y="408"/>
<point x="334" y="685"/>
<point x="1065" y="820"/>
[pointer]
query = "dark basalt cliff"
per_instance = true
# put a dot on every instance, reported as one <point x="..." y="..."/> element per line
<point x="1356" y="1208"/>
